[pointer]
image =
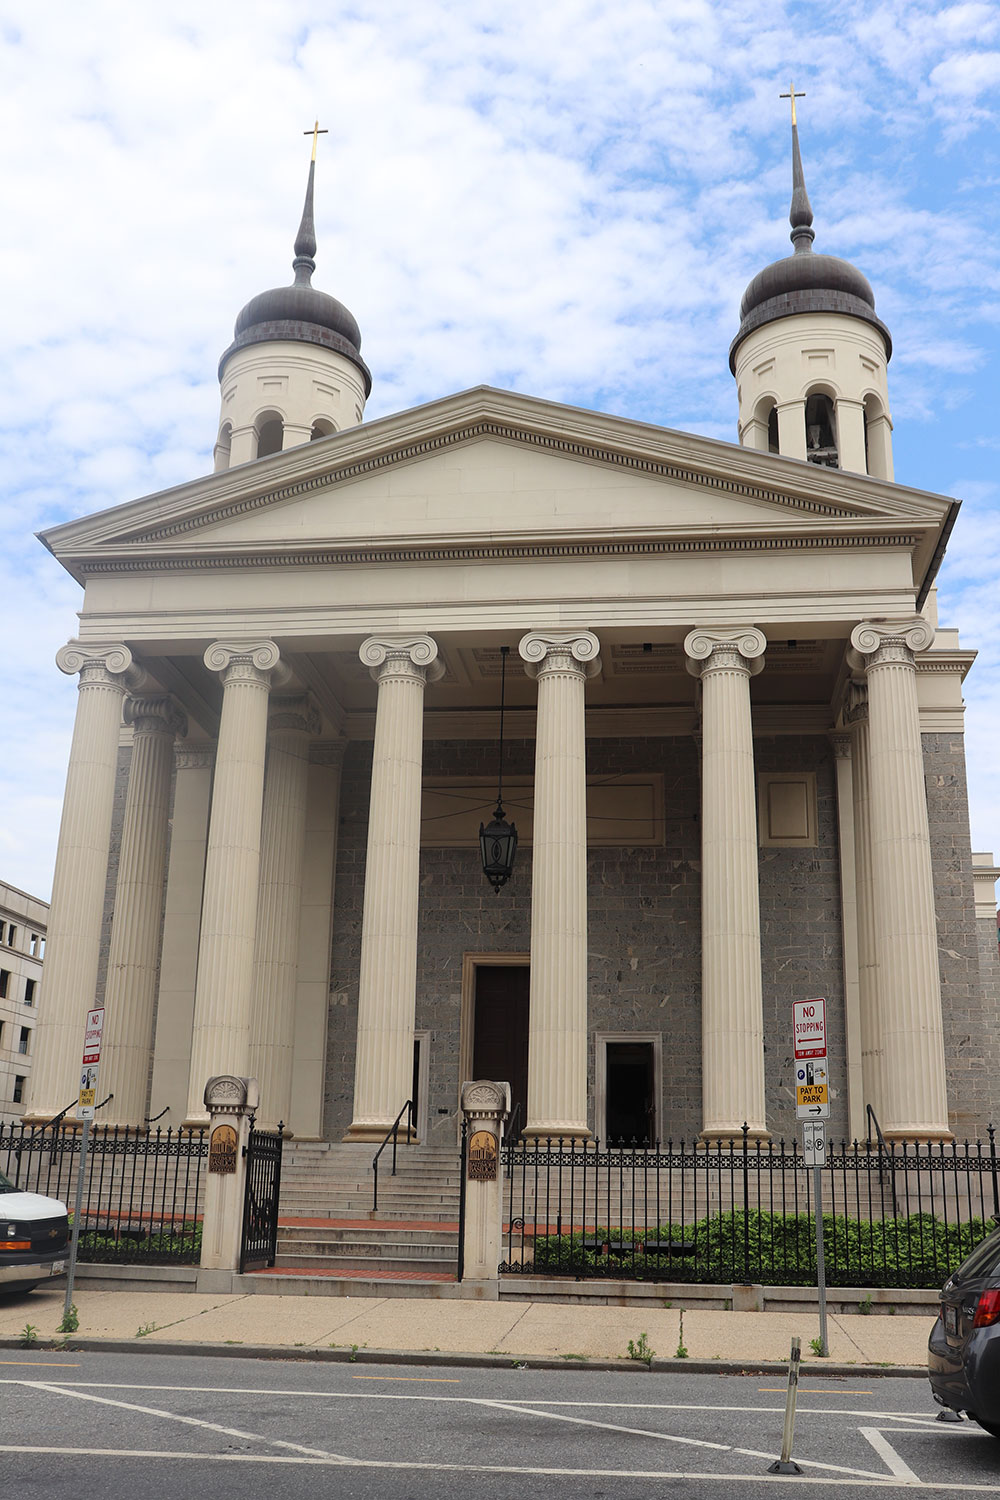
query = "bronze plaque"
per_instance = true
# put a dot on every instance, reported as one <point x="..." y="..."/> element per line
<point x="483" y="1151"/>
<point x="222" y="1149"/>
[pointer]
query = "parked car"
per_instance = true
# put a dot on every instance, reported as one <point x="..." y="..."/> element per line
<point x="964" y="1348"/>
<point x="33" y="1235"/>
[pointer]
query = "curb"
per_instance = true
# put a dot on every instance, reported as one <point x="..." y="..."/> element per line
<point x="474" y="1361"/>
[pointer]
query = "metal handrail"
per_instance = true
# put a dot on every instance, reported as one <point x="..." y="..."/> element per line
<point x="873" y="1120"/>
<point x="511" y="1128"/>
<point x="393" y="1133"/>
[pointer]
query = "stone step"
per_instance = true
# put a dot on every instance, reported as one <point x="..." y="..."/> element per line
<point x="334" y="1265"/>
<point x="364" y="1234"/>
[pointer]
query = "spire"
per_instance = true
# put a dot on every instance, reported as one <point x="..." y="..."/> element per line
<point x="800" y="215"/>
<point x="305" y="241"/>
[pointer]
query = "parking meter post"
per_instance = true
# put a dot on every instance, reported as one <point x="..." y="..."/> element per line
<point x="785" y="1464"/>
<point x="77" y="1212"/>
<point x="824" y="1347"/>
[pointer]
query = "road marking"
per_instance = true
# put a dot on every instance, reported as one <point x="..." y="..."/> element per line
<point x="669" y="1437"/>
<point x="880" y="1482"/>
<point x="172" y="1416"/>
<point x="429" y="1379"/>
<point x="887" y="1452"/>
<point x="779" y="1390"/>
<point x="37" y="1364"/>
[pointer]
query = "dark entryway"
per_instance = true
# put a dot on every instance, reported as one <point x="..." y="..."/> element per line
<point x="630" y="1107"/>
<point x="500" y="1030"/>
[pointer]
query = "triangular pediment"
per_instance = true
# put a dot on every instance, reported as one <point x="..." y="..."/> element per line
<point x="489" y="467"/>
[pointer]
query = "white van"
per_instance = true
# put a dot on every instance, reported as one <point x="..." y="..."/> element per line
<point x="33" y="1237"/>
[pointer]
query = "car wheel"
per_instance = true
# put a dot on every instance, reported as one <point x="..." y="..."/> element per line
<point x="993" y="1428"/>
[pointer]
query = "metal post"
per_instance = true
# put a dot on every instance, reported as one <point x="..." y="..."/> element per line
<point x="77" y="1210"/>
<point x="824" y="1347"/>
<point x="785" y="1464"/>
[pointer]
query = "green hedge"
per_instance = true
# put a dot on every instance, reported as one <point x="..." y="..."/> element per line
<point x="918" y="1251"/>
<point x="152" y="1247"/>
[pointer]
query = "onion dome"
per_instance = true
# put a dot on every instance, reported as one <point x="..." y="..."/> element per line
<point x="805" y="282"/>
<point x="300" y="312"/>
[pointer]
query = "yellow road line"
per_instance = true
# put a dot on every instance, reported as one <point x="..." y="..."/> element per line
<point x="426" y="1379"/>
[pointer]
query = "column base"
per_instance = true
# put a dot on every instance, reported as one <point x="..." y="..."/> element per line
<point x="721" y="1137"/>
<point x="924" y="1135"/>
<point x="557" y="1133"/>
<point x="43" y="1120"/>
<point x="195" y="1122"/>
<point x="376" y="1134"/>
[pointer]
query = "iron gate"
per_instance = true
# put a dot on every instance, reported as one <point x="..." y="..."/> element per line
<point x="258" y="1247"/>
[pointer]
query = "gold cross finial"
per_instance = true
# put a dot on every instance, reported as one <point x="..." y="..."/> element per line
<point x="316" y="132"/>
<point x="793" y="96"/>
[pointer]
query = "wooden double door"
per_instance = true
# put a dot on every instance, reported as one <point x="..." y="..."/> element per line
<point x="500" y="1031"/>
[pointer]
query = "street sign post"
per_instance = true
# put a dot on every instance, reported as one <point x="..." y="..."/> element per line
<point x="812" y="1107"/>
<point x="93" y="1036"/>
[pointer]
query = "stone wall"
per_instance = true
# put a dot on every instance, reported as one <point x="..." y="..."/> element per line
<point x="972" y="1046"/>
<point x="644" y="928"/>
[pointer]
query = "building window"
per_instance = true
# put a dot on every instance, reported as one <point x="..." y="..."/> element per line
<point x="17" y="1097"/>
<point x="3" y="931"/>
<point x="11" y="935"/>
<point x="1" y="1033"/>
<point x="29" y="991"/>
<point x="22" y="1045"/>
<point x="34" y="945"/>
<point x="4" y="983"/>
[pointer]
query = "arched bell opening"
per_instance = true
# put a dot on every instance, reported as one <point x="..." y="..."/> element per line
<point x="878" y="441"/>
<point x="321" y="428"/>
<point x="270" y="434"/>
<point x="821" y="431"/>
<point x="223" y="447"/>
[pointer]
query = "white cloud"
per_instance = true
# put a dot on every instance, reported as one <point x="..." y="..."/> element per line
<point x="567" y="199"/>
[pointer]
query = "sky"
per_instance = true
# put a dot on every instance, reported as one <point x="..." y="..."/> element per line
<point x="565" y="200"/>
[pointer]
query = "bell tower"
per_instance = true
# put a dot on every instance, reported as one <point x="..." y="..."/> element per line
<point x="810" y="357"/>
<point x="294" y="371"/>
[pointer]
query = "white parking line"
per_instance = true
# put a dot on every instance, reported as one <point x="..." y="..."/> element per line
<point x="669" y="1476"/>
<point x="172" y="1416"/>
<point x="887" y="1452"/>
<point x="669" y="1437"/>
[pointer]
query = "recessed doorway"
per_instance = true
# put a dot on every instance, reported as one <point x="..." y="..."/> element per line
<point x="495" y="1043"/>
<point x="628" y="1088"/>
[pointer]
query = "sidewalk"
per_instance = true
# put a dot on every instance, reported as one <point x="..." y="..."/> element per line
<point x="513" y="1330"/>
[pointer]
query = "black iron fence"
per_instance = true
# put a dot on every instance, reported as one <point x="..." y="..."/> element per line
<point x="142" y="1188"/>
<point x="258" y="1246"/>
<point x="736" y="1211"/>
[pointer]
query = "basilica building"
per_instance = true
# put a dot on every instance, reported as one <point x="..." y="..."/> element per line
<point x="732" y="750"/>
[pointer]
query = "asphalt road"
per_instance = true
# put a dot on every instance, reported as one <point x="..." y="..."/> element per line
<point x="128" y="1427"/>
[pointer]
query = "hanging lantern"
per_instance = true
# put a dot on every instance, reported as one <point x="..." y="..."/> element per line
<point x="498" y="838"/>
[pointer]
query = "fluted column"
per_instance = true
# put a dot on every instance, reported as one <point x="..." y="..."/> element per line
<point x="868" y="965"/>
<point x="130" y="991"/>
<point x="732" y="1018"/>
<point x="914" y="1094"/>
<point x="221" y="1038"/>
<point x="283" y="826"/>
<point x="557" y="1017"/>
<point x="74" y="930"/>
<point x="847" y="851"/>
<point x="388" y="982"/>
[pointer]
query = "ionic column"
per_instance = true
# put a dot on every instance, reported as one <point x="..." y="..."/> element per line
<point x="221" y="1038"/>
<point x="74" y="930"/>
<point x="732" y="1018"/>
<point x="869" y="1014"/>
<point x="388" y="982"/>
<point x="846" y="848"/>
<point x="130" y="992"/>
<point x="557" y="1018"/>
<point x="914" y="1094"/>
<point x="272" y="1013"/>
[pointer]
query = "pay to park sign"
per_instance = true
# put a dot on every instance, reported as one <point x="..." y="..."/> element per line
<point x="812" y="1092"/>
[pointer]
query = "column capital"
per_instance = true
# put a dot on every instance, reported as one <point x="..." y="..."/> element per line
<point x="402" y="656"/>
<point x="104" y="662"/>
<point x="155" y="714"/>
<point x="252" y="661"/>
<point x="328" y="752"/>
<point x="874" y="642"/>
<point x="560" y="650"/>
<point x="856" y="703"/>
<point x="294" y="711"/>
<point x="711" y="647"/>
<point x="840" y="740"/>
<point x="198" y="755"/>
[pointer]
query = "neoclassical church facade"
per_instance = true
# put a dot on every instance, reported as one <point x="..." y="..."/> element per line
<point x="732" y="749"/>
